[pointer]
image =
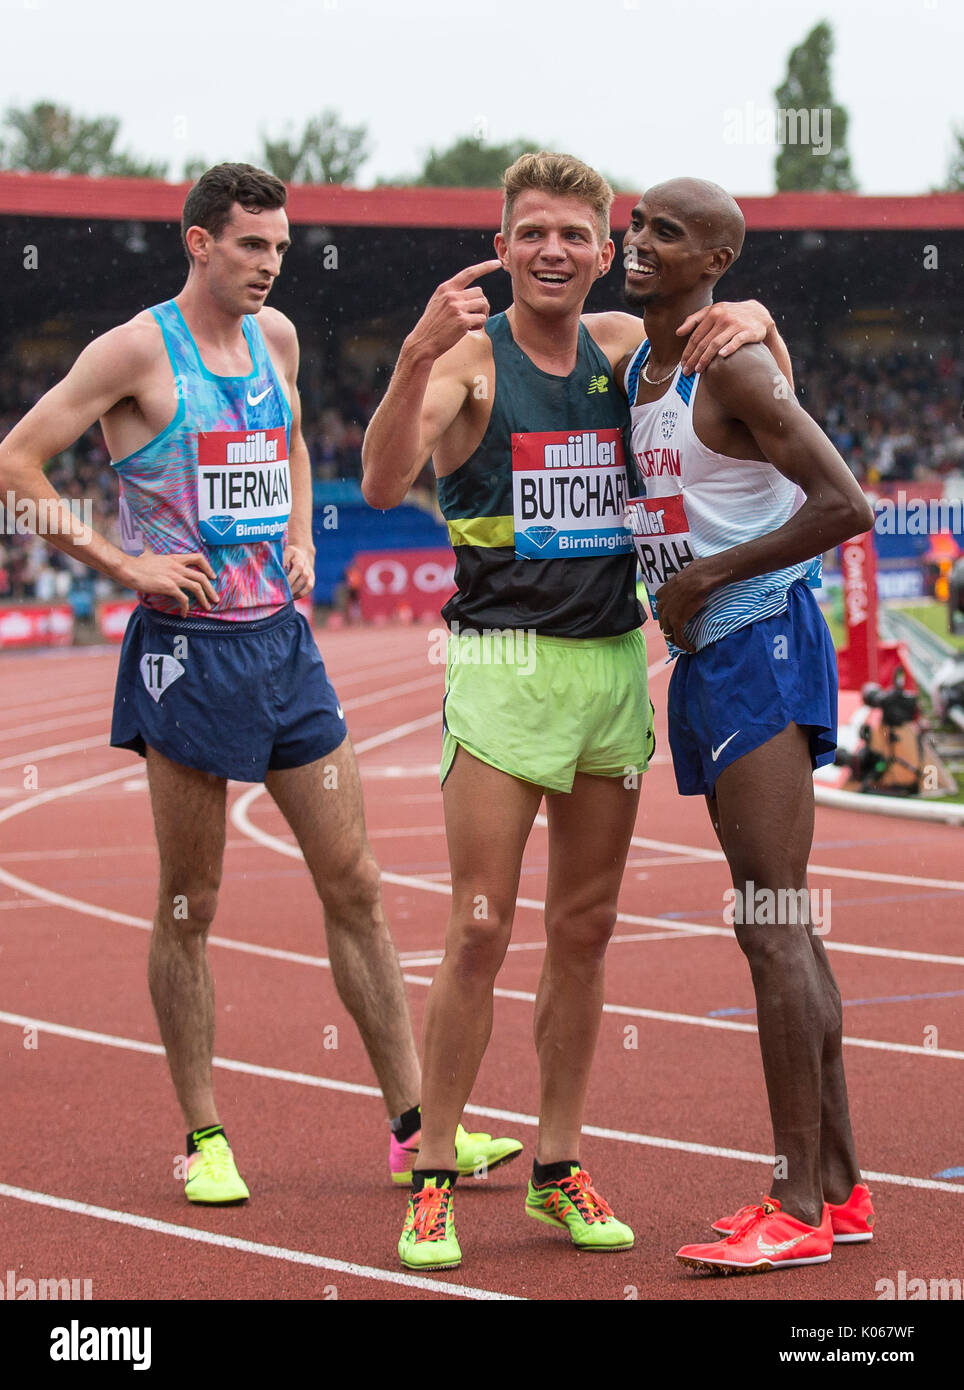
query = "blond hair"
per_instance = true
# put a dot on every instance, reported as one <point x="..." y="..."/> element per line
<point x="562" y="175"/>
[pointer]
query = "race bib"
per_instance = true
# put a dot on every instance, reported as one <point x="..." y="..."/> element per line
<point x="661" y="535"/>
<point x="569" y="495"/>
<point x="243" y="486"/>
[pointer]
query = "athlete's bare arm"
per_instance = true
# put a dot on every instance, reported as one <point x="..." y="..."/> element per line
<point x="717" y="328"/>
<point x="437" y="392"/>
<point x="116" y="370"/>
<point x="739" y="413"/>
<point x="299" y="553"/>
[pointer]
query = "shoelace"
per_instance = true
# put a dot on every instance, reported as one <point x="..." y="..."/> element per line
<point x="752" y="1216"/>
<point x="431" y="1210"/>
<point x="587" y="1201"/>
<point x="215" y="1153"/>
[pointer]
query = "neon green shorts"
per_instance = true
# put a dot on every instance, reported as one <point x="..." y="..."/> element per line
<point x="544" y="708"/>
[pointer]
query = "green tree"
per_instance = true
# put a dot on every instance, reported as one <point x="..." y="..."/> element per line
<point x="471" y="163"/>
<point x="955" y="169"/>
<point x="812" y="130"/>
<point x="49" y="139"/>
<point x="327" y="151"/>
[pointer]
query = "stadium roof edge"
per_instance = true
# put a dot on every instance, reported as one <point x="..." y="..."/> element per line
<point x="150" y="200"/>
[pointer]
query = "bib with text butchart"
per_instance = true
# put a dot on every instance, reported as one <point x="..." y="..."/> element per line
<point x="569" y="494"/>
<point x="661" y="534"/>
<point x="243" y="486"/>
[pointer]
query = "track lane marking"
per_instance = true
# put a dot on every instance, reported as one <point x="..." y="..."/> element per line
<point x="248" y="1247"/>
<point x="485" y="1112"/>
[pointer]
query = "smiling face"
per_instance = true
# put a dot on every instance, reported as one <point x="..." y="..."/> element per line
<point x="552" y="251"/>
<point x="682" y="234"/>
<point x="241" y="265"/>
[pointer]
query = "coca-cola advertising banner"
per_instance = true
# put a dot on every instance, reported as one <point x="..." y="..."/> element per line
<point x="43" y="625"/>
<point x="404" y="583"/>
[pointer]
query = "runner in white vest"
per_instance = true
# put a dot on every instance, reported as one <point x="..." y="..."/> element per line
<point x="743" y="493"/>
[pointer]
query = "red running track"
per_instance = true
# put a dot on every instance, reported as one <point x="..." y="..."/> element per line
<point x="677" y="1126"/>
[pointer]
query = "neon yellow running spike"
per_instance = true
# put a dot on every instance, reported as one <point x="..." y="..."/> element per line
<point x="212" y="1175"/>
<point x="428" y="1236"/>
<point x="475" y="1154"/>
<point x="575" y="1205"/>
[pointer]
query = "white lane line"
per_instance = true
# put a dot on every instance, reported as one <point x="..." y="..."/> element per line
<point x="54" y="750"/>
<point x="952" y="885"/>
<point x="54" y="706"/>
<point x="484" y="1112"/>
<point x="241" y="822"/>
<point x="357" y="674"/>
<point x="377" y="696"/>
<point x="247" y="1247"/>
<point x="67" y="722"/>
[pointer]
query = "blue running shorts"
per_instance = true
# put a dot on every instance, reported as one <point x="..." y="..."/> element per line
<point x="741" y="691"/>
<point x="233" y="699"/>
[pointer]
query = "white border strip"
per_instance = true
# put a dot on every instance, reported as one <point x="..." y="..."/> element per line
<point x="952" y="812"/>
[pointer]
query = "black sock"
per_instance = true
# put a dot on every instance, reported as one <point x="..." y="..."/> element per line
<point x="204" y="1133"/>
<point x="407" y="1124"/>
<point x="439" y="1174"/>
<point x="552" y="1172"/>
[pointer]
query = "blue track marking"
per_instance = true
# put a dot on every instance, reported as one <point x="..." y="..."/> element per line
<point x="851" y="1003"/>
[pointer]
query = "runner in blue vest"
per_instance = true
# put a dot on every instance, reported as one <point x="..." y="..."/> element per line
<point x="219" y="676"/>
<point x="546" y="681"/>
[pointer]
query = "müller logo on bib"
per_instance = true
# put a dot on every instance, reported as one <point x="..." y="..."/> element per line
<point x="569" y="494"/>
<point x="661" y="534"/>
<point x="243" y="485"/>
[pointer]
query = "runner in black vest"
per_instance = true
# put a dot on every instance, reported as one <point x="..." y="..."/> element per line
<point x="546" y="682"/>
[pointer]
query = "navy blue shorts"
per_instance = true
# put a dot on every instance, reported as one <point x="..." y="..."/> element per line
<point x="741" y="691"/>
<point x="233" y="699"/>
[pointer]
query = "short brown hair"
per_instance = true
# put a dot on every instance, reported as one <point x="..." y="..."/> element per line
<point x="210" y="201"/>
<point x="562" y="175"/>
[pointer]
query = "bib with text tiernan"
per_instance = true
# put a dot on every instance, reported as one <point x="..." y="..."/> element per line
<point x="569" y="494"/>
<point x="243" y="485"/>
<point x="661" y="535"/>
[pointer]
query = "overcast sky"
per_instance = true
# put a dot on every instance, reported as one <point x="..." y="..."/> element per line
<point x="643" y="90"/>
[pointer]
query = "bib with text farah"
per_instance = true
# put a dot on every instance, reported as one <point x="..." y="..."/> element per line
<point x="243" y="486"/>
<point x="569" y="494"/>
<point x="661" y="535"/>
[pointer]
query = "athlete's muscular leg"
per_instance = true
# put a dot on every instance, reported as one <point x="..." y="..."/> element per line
<point x="188" y="811"/>
<point x="839" y="1170"/>
<point x="838" y="1156"/>
<point x="322" y="802"/>
<point x="589" y="835"/>
<point x="488" y="816"/>
<point x="764" y="805"/>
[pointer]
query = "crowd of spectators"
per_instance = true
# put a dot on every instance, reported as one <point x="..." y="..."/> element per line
<point x="893" y="418"/>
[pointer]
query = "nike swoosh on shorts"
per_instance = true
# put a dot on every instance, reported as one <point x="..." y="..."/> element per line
<point x="715" y="752"/>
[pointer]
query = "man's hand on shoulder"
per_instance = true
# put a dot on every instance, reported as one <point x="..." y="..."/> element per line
<point x="721" y="329"/>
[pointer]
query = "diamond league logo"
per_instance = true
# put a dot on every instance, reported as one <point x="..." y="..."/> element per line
<point x="667" y="423"/>
<point x="542" y="535"/>
<point x="221" y="524"/>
